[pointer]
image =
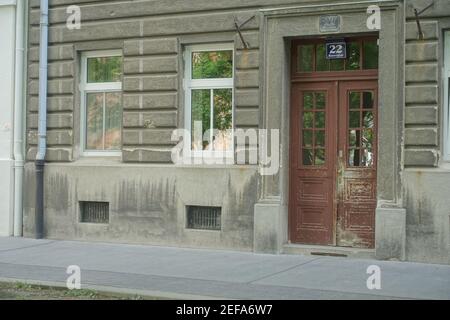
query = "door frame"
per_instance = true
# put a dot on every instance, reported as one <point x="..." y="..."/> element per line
<point x="329" y="76"/>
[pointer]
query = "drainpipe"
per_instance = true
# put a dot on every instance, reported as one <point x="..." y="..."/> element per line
<point x="42" y="127"/>
<point x="18" y="117"/>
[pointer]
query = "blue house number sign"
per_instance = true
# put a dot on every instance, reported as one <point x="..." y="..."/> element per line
<point x="336" y="49"/>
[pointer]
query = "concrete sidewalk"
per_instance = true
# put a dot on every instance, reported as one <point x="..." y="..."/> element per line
<point x="191" y="273"/>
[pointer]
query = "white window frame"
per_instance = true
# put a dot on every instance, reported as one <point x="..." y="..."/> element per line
<point x="446" y="75"/>
<point x="196" y="84"/>
<point x="86" y="88"/>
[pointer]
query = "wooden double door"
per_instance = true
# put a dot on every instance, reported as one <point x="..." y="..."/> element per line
<point x="333" y="162"/>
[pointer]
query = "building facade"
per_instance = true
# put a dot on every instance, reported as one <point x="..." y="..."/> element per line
<point x="12" y="116"/>
<point x="352" y="96"/>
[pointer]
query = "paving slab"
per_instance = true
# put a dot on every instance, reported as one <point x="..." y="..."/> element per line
<point x="217" y="274"/>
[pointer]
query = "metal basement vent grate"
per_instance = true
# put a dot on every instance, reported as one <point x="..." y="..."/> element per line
<point x="94" y="212"/>
<point x="204" y="218"/>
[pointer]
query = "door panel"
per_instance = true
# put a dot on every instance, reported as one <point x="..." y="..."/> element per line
<point x="357" y="168"/>
<point x="313" y="139"/>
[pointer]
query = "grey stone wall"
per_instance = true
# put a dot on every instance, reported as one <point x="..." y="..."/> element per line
<point x="151" y="35"/>
<point x="423" y="60"/>
<point x="426" y="189"/>
<point x="147" y="203"/>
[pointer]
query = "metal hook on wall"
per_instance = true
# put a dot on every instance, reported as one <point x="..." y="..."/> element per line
<point x="417" y="14"/>
<point x="238" y="30"/>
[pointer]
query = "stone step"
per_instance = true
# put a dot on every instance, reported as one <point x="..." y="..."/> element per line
<point x="329" y="251"/>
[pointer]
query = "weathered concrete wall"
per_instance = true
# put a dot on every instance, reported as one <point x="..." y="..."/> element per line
<point x="426" y="189"/>
<point x="423" y="60"/>
<point x="428" y="215"/>
<point x="147" y="203"/>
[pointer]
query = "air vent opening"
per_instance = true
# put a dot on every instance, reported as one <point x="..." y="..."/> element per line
<point x="94" y="212"/>
<point x="204" y="218"/>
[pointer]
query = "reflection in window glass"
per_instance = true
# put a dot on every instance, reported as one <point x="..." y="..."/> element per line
<point x="321" y="58"/>
<point x="337" y="64"/>
<point x="354" y="138"/>
<point x="223" y="118"/>
<point x="212" y="64"/>
<point x="113" y="120"/>
<point x="319" y="159"/>
<point x="368" y="119"/>
<point x="222" y="123"/>
<point x="354" y="121"/>
<point x="367" y="100"/>
<point x="320" y="119"/>
<point x="94" y="121"/>
<point x="353" y="157"/>
<point x="320" y="138"/>
<point x="353" y="56"/>
<point x="361" y="55"/>
<point x="361" y="129"/>
<point x="103" y="121"/>
<point x="308" y="101"/>
<point x="368" y="139"/>
<point x="305" y="57"/>
<point x="355" y="99"/>
<point x="308" y="138"/>
<point x="370" y="58"/>
<point x="308" y="119"/>
<point x="307" y="157"/>
<point x="320" y="100"/>
<point x="104" y="69"/>
<point x="201" y="117"/>
<point x="366" y="158"/>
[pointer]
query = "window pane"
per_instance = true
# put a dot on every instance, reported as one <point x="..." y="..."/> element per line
<point x="320" y="120"/>
<point x="337" y="64"/>
<point x="308" y="119"/>
<point x="113" y="120"/>
<point x="353" y="157"/>
<point x="354" y="121"/>
<point x="367" y="100"/>
<point x="212" y="64"/>
<point x="368" y="119"/>
<point x="370" y="58"/>
<point x="320" y="138"/>
<point x="94" y="121"/>
<point x="353" y="138"/>
<point x="308" y="101"/>
<point x="201" y="117"/>
<point x="223" y="119"/>
<point x="307" y="138"/>
<point x="367" y="139"/>
<point x="307" y="157"/>
<point x="319" y="158"/>
<point x="320" y="100"/>
<point x="355" y="99"/>
<point x="367" y="158"/>
<point x="353" y="55"/>
<point x="104" y="69"/>
<point x="321" y="58"/>
<point x="305" y="55"/>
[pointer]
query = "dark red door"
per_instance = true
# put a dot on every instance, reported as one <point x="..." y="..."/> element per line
<point x="313" y="162"/>
<point x="357" y="163"/>
<point x="333" y="144"/>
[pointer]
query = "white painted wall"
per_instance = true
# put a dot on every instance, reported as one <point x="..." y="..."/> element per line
<point x="7" y="52"/>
